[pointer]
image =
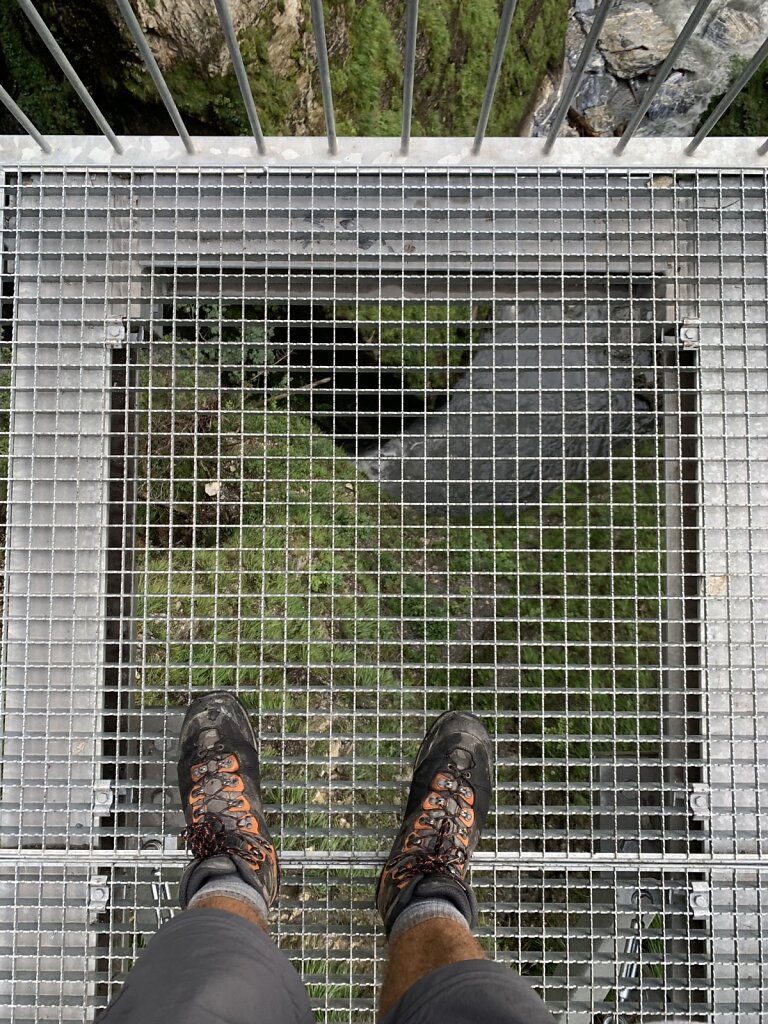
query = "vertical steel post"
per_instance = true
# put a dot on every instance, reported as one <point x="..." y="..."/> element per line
<point x="318" y="27"/>
<point x="240" y="73"/>
<point x="728" y="99"/>
<point x="156" y="74"/>
<point x="72" y="76"/>
<point x="493" y="75"/>
<point x="408" y="73"/>
<point x="13" y="108"/>
<point x="661" y="76"/>
<point x="578" y="72"/>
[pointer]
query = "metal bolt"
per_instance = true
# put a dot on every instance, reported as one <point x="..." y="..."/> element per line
<point x="689" y="335"/>
<point x="103" y="797"/>
<point x="98" y="894"/>
<point x="698" y="801"/>
<point x="699" y="900"/>
<point x="114" y="332"/>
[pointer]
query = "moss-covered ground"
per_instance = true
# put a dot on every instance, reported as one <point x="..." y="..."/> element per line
<point x="366" y="44"/>
<point x="266" y="562"/>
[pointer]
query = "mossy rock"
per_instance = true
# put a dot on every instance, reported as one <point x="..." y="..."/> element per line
<point x="456" y="41"/>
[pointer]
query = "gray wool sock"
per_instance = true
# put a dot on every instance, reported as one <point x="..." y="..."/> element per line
<point x="234" y="887"/>
<point x="419" y="910"/>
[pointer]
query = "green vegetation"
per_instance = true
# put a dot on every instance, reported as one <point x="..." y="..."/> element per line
<point x="365" y="42"/>
<point x="453" y="71"/>
<point x="39" y="89"/>
<point x="367" y="84"/>
<point x="431" y="343"/>
<point x="265" y="561"/>
<point x="748" y="114"/>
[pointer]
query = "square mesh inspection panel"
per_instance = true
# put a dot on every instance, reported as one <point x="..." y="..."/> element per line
<point x="365" y="446"/>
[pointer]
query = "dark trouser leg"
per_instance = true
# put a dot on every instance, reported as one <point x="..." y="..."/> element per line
<point x="469" y="992"/>
<point x="210" y="967"/>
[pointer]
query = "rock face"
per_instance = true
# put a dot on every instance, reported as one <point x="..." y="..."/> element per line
<point x="731" y="29"/>
<point x="528" y="414"/>
<point x="187" y="33"/>
<point x="189" y="30"/>
<point x="603" y="100"/>
<point x="636" y="39"/>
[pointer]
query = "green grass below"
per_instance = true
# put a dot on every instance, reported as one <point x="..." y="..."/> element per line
<point x="267" y="563"/>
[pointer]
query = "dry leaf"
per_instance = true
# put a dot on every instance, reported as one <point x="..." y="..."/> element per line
<point x="716" y="585"/>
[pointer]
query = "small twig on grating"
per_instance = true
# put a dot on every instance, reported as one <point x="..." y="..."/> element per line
<point x="304" y="387"/>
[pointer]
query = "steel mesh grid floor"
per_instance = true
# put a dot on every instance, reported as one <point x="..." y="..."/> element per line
<point x="365" y="446"/>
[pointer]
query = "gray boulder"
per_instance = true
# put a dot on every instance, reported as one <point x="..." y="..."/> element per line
<point x="635" y="40"/>
<point x="604" y="102"/>
<point x="535" y="405"/>
<point x="676" y="96"/>
<point x="733" y="29"/>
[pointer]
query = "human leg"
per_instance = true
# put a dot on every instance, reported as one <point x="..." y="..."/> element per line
<point x="215" y="963"/>
<point x="437" y="971"/>
<point x="425" y="947"/>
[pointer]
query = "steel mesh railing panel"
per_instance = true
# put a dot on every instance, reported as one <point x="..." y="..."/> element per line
<point x="365" y="446"/>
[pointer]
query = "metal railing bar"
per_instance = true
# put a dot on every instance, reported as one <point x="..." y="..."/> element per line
<point x="409" y="68"/>
<point x="728" y="99"/>
<point x="156" y="74"/>
<point x="13" y="108"/>
<point x="241" y="74"/>
<point x="578" y="72"/>
<point x="318" y="28"/>
<point x="71" y="75"/>
<point x="493" y="75"/>
<point x="661" y="76"/>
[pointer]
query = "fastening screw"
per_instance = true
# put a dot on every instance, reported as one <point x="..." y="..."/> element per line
<point x="689" y="335"/>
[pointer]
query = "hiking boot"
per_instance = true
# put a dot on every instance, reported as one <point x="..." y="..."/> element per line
<point x="446" y="810"/>
<point x="219" y="781"/>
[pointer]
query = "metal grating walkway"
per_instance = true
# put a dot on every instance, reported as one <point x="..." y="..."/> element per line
<point x="365" y="445"/>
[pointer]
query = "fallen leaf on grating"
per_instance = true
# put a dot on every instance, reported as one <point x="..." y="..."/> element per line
<point x="716" y="585"/>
